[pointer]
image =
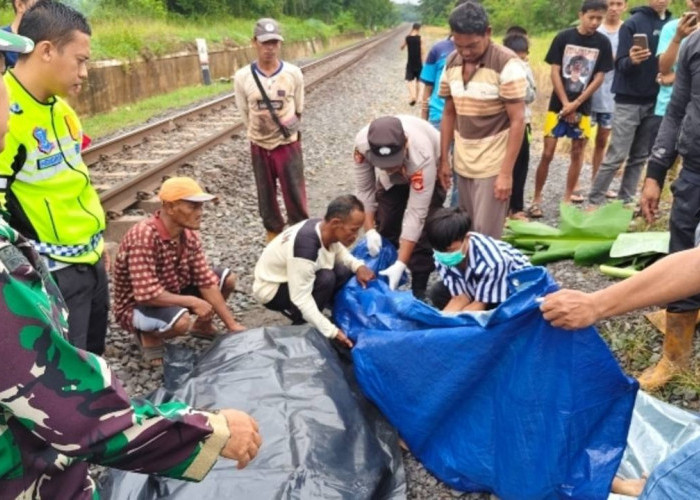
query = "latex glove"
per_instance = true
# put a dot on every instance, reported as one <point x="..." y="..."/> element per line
<point x="394" y="273"/>
<point x="374" y="242"/>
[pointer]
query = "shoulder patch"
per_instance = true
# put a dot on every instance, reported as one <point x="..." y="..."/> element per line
<point x="306" y="242"/>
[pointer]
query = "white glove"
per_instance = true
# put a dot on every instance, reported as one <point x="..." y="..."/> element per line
<point x="394" y="273"/>
<point x="374" y="242"/>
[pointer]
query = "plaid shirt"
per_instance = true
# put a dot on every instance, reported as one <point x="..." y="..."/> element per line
<point x="150" y="262"/>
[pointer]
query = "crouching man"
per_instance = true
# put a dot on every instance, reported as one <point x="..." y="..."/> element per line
<point x="300" y="270"/>
<point x="474" y="267"/>
<point x="163" y="286"/>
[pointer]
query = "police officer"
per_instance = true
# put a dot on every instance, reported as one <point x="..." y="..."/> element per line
<point x="396" y="162"/>
<point x="60" y="406"/>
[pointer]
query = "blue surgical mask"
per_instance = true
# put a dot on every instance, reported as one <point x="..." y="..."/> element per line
<point x="449" y="259"/>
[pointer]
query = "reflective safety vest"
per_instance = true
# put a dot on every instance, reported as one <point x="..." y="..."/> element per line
<point x="45" y="189"/>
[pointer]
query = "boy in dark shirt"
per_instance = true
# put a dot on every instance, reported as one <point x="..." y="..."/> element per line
<point x="579" y="58"/>
<point x="414" y="65"/>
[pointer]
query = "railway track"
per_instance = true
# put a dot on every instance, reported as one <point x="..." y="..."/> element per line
<point x="131" y="166"/>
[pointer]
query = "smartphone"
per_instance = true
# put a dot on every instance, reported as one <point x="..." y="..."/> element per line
<point x="640" y="40"/>
<point x="694" y="17"/>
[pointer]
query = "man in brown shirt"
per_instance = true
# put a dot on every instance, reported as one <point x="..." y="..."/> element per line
<point x="163" y="286"/>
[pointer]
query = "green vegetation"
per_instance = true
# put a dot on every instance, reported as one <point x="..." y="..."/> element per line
<point x="126" y="29"/>
<point x="138" y="113"/>
<point x="535" y="15"/>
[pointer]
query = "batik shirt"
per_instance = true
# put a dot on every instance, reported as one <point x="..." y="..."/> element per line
<point x="61" y="407"/>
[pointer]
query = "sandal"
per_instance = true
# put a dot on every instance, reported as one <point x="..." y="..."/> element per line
<point x="611" y="194"/>
<point x="153" y="355"/>
<point x="522" y="216"/>
<point x="535" y="212"/>
<point x="576" y="197"/>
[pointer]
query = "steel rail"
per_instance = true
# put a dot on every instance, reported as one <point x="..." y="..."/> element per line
<point x="134" y="137"/>
<point x="125" y="194"/>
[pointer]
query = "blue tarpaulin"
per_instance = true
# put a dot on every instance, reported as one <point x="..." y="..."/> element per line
<point x="498" y="401"/>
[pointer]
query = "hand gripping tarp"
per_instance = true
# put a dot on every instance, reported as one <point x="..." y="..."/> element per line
<point x="498" y="401"/>
<point x="321" y="438"/>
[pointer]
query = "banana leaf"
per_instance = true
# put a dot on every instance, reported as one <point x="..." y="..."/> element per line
<point x="624" y="267"/>
<point x="652" y="242"/>
<point x="585" y="236"/>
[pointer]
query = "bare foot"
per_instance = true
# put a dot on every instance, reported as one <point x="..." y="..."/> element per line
<point x="629" y="487"/>
<point x="238" y="327"/>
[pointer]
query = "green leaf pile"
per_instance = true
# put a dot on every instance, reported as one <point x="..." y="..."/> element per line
<point x="587" y="237"/>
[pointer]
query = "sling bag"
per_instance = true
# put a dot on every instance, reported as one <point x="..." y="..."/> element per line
<point x="268" y="104"/>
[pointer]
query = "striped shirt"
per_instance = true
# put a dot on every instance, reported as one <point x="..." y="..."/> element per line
<point x="482" y="122"/>
<point x="489" y="262"/>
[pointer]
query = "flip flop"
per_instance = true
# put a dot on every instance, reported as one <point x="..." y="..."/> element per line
<point x="153" y="355"/>
<point x="577" y="198"/>
<point x="535" y="212"/>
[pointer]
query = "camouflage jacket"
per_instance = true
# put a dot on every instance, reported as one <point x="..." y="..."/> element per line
<point x="61" y="407"/>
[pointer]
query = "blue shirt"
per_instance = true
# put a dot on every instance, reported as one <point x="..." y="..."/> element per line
<point x="489" y="262"/>
<point x="603" y="101"/>
<point x="665" y="91"/>
<point x="430" y="75"/>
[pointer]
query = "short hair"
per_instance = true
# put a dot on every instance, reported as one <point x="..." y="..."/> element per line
<point x="517" y="43"/>
<point x="516" y="30"/>
<point x="53" y="22"/>
<point x="445" y="226"/>
<point x="342" y="207"/>
<point x="593" y="5"/>
<point x="416" y="26"/>
<point x="470" y="18"/>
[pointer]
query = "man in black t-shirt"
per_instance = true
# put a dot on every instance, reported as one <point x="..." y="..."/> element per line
<point x="579" y="58"/>
<point x="414" y="64"/>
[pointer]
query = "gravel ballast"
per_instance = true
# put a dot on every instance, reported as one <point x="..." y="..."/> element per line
<point x="233" y="234"/>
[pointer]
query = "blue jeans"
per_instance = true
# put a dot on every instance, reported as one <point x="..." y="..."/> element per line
<point x="676" y="477"/>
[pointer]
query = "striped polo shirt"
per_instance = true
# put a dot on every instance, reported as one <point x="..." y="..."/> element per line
<point x="482" y="123"/>
<point x="489" y="262"/>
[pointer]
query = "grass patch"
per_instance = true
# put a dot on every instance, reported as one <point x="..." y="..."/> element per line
<point x="128" y="35"/>
<point x="102" y="124"/>
<point x="127" y="38"/>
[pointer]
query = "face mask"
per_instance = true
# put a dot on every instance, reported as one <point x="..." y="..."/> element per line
<point x="449" y="259"/>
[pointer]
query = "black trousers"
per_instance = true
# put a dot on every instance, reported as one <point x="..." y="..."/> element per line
<point x="685" y="216"/>
<point x="85" y="290"/>
<point x="522" y="163"/>
<point x="389" y="217"/>
<point x="326" y="285"/>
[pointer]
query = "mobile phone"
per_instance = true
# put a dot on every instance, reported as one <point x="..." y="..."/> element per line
<point x="694" y="17"/>
<point x="640" y="40"/>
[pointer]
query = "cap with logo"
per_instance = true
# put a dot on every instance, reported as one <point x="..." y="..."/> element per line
<point x="387" y="142"/>
<point x="267" y="29"/>
<point x="183" y="188"/>
<point x="10" y="42"/>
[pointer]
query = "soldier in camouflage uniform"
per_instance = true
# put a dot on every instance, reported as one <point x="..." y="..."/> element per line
<point x="61" y="407"/>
